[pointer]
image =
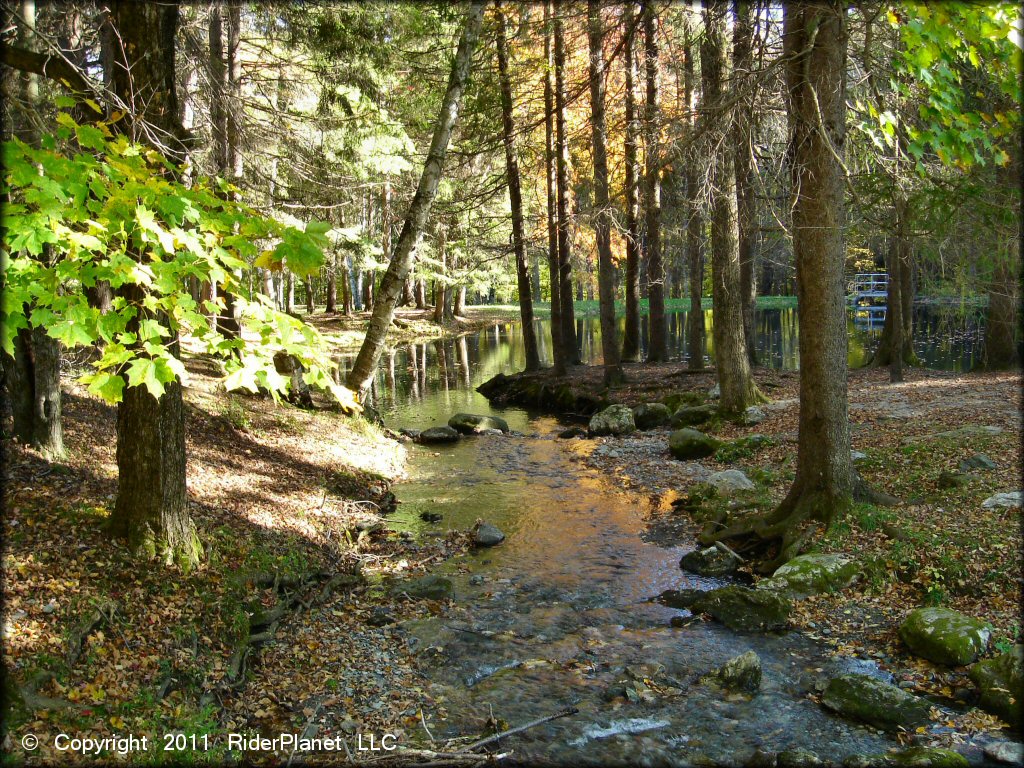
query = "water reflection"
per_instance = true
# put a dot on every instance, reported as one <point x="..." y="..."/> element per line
<point x="945" y="339"/>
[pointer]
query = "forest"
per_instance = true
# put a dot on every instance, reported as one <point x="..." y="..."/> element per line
<point x="518" y="383"/>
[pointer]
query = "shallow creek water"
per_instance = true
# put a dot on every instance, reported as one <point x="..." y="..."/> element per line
<point x="558" y="614"/>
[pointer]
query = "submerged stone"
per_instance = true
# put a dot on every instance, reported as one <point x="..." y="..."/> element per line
<point x="687" y="444"/>
<point x="812" y="574"/>
<point x="742" y="673"/>
<point x="471" y="423"/>
<point x="1010" y="752"/>
<point x="651" y="415"/>
<point x="572" y="432"/>
<point x="709" y="562"/>
<point x="1000" y="682"/>
<point x="430" y="587"/>
<point x="797" y="758"/>
<point x="944" y="636"/>
<point x="870" y="700"/>
<point x="437" y="435"/>
<point x="613" y="420"/>
<point x="487" y="535"/>
<point x="745" y="610"/>
<point x="679" y="598"/>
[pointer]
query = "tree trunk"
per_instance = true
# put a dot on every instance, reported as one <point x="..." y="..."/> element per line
<point x="603" y="214"/>
<point x="459" y="302"/>
<point x="1002" y="348"/>
<point x="421" y="294"/>
<point x="746" y="204"/>
<point x="332" y="285"/>
<point x="899" y="302"/>
<point x="814" y="44"/>
<point x="566" y="310"/>
<point x="731" y="362"/>
<point x="361" y="375"/>
<point x="310" y="297"/>
<point x="694" y="220"/>
<point x="346" y="290"/>
<point x="895" y="294"/>
<point x="515" y="196"/>
<point x="631" y="337"/>
<point x="151" y="509"/>
<point x="657" y="347"/>
<point x="19" y="384"/>
<point x="558" y="349"/>
<point x="368" y="292"/>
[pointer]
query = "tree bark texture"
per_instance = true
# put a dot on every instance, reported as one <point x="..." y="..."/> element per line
<point x="731" y="362"/>
<point x="566" y="309"/>
<point x="631" y="337"/>
<point x="657" y="344"/>
<point x="151" y="509"/>
<point x="746" y="203"/>
<point x="558" y="351"/>
<point x="1002" y="327"/>
<point x="603" y="212"/>
<point x="694" y="219"/>
<point x="515" y="195"/>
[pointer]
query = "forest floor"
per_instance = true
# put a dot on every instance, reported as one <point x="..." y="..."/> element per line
<point x="345" y="333"/>
<point x="938" y="546"/>
<point x="285" y="501"/>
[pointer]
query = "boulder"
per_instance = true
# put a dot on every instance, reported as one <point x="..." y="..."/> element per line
<point x="1003" y="501"/>
<point x="473" y="424"/>
<point x="754" y="415"/>
<point x="677" y="400"/>
<point x="487" y="535"/>
<point x="679" y="598"/>
<point x="730" y="481"/>
<point x="927" y="757"/>
<point x="691" y="415"/>
<point x="715" y="392"/>
<point x="430" y="587"/>
<point x="745" y="610"/>
<point x="437" y="435"/>
<point x="977" y="461"/>
<point x="870" y="700"/>
<point x="651" y="415"/>
<point x="1000" y="682"/>
<point x="572" y="432"/>
<point x="709" y="562"/>
<point x="613" y="420"/>
<point x="944" y="636"/>
<point x="797" y="758"/>
<point x="1009" y="752"/>
<point x="742" y="673"/>
<point x="811" y="574"/>
<point x="690" y="444"/>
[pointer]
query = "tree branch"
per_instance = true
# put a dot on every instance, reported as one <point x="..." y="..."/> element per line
<point x="51" y="67"/>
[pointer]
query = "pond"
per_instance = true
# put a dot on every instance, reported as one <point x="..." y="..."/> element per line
<point x="558" y="615"/>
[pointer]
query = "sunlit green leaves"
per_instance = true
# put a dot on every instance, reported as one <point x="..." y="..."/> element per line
<point x="111" y="214"/>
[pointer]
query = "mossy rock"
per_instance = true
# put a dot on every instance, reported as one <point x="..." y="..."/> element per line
<point x="474" y="424"/>
<point x="692" y="415"/>
<point x="688" y="444"/>
<point x="677" y="400"/>
<point x="613" y="420"/>
<point x="651" y="415"/>
<point x="430" y="587"/>
<point x="870" y="700"/>
<point x="914" y="757"/>
<point x="436" y="435"/>
<point x="745" y="610"/>
<point x="944" y="636"/>
<point x="812" y="574"/>
<point x="1000" y="681"/>
<point x="709" y="562"/>
<point x="742" y="673"/>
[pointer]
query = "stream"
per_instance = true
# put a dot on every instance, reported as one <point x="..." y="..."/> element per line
<point x="558" y="615"/>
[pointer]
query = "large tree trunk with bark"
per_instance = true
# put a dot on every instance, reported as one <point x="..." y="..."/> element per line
<point x="814" y="41"/>
<point x="515" y="196"/>
<point x="631" y="337"/>
<point x="558" y="351"/>
<point x="603" y="214"/>
<point x="151" y="509"/>
<point x="657" y="342"/>
<point x="899" y="303"/>
<point x="746" y="204"/>
<point x="731" y="361"/>
<point x="565" y="306"/>
<point x="363" y="369"/>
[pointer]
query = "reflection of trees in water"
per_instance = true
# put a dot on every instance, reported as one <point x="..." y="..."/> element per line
<point x="945" y="337"/>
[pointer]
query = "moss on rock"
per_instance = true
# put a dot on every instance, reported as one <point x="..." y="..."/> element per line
<point x="944" y="636"/>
